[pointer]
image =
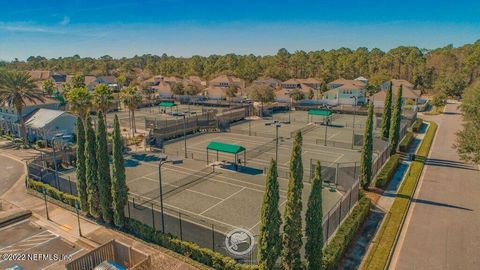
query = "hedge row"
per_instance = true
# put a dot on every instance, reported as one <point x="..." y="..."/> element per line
<point x="205" y="256"/>
<point x="405" y="142"/>
<point x="378" y="256"/>
<point x="335" y="249"/>
<point x="424" y="148"/>
<point x="53" y="192"/>
<point x="417" y="124"/>
<point x="387" y="172"/>
<point x="380" y="251"/>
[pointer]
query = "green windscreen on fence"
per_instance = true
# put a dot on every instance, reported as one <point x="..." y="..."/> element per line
<point x="320" y="112"/>
<point x="225" y="147"/>
<point x="167" y="104"/>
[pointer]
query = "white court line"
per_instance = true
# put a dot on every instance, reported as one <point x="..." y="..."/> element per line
<point x="219" y="181"/>
<point x="42" y="243"/>
<point x="231" y="195"/>
<point x="25" y="239"/>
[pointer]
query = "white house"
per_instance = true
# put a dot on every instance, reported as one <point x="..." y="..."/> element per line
<point x="345" y="92"/>
<point x="45" y="124"/>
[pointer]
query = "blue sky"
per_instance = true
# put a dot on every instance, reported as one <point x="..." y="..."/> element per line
<point x="184" y="28"/>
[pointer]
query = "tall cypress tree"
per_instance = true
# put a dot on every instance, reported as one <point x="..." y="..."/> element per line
<point x="91" y="170"/>
<point x="314" y="220"/>
<point x="367" y="150"/>
<point x="119" y="186"/>
<point x="270" y="242"/>
<point x="81" y="178"/>
<point x="103" y="173"/>
<point x="292" y="229"/>
<point x="387" y="112"/>
<point x="396" y="120"/>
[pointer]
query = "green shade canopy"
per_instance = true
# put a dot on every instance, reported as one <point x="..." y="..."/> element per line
<point x="225" y="147"/>
<point x="320" y="112"/>
<point x="167" y="104"/>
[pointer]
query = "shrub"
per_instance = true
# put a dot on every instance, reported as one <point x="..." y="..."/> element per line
<point x="337" y="246"/>
<point x="203" y="255"/>
<point x="53" y="192"/>
<point x="403" y="146"/>
<point x="417" y="124"/>
<point x="387" y="172"/>
<point x="424" y="148"/>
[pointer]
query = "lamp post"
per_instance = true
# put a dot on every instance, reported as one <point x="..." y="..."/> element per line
<point x="164" y="161"/>
<point x="56" y="136"/>
<point x="45" y="199"/>
<point x="184" y="131"/>
<point x="78" y="219"/>
<point x="277" y="125"/>
<point x="353" y="124"/>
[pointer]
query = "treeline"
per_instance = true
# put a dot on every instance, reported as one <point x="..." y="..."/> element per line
<point x="449" y="68"/>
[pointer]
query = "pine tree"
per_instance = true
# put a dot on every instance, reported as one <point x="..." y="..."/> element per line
<point x="103" y="173"/>
<point x="387" y="113"/>
<point x="119" y="186"/>
<point x="367" y="150"/>
<point x="292" y="229"/>
<point x="81" y="178"/>
<point x="270" y="242"/>
<point x="395" y="122"/>
<point x="91" y="170"/>
<point x="314" y="220"/>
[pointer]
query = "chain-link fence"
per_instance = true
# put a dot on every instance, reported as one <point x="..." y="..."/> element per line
<point x="342" y="175"/>
<point x="334" y="217"/>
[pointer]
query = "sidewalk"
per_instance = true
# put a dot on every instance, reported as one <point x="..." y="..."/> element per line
<point x="65" y="223"/>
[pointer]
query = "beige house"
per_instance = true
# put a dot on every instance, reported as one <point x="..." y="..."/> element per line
<point x="306" y="86"/>
<point x="408" y="93"/>
<point x="225" y="81"/>
<point x="273" y="83"/>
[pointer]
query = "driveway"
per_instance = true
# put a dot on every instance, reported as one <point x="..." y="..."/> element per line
<point x="442" y="229"/>
<point x="10" y="171"/>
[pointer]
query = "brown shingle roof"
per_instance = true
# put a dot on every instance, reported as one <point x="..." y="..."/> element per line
<point x="40" y="75"/>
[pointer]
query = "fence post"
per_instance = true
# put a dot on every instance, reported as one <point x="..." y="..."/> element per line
<point x="340" y="212"/>
<point x="336" y="175"/>
<point x="328" y="225"/>
<point x="70" y="185"/>
<point x="180" y="221"/>
<point x="350" y="199"/>
<point x="153" y="217"/>
<point x="213" y="237"/>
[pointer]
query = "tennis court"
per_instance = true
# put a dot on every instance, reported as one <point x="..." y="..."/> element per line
<point x="223" y="197"/>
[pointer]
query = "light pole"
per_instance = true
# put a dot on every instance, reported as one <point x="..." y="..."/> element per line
<point x="78" y="219"/>
<point x="184" y="131"/>
<point x="56" y="136"/>
<point x="164" y="161"/>
<point x="277" y="125"/>
<point x="45" y="198"/>
<point x="353" y="124"/>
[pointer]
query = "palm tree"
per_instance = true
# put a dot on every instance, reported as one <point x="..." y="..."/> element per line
<point x="102" y="98"/>
<point x="79" y="101"/>
<point x="131" y="97"/>
<point x="15" y="89"/>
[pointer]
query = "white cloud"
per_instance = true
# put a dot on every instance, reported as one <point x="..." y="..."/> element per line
<point x="65" y="21"/>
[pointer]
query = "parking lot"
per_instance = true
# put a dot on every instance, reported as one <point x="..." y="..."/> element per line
<point x="25" y="245"/>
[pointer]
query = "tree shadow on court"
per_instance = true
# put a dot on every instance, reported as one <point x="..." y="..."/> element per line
<point x="243" y="169"/>
<point x="129" y="163"/>
<point x="145" y="157"/>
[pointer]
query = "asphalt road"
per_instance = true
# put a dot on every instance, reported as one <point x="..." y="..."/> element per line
<point x="442" y="229"/>
<point x="10" y="172"/>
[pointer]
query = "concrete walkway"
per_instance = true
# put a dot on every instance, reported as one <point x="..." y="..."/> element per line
<point x="442" y="229"/>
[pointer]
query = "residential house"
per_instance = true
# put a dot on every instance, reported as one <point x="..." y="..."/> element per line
<point x="362" y="79"/>
<point x="215" y="92"/>
<point x="162" y="89"/>
<point x="46" y="123"/>
<point x="273" y="83"/>
<point x="195" y="80"/>
<point x="93" y="81"/>
<point x="345" y="92"/>
<point x="9" y="118"/>
<point x="409" y="94"/>
<point x="304" y="85"/>
<point x="225" y="81"/>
